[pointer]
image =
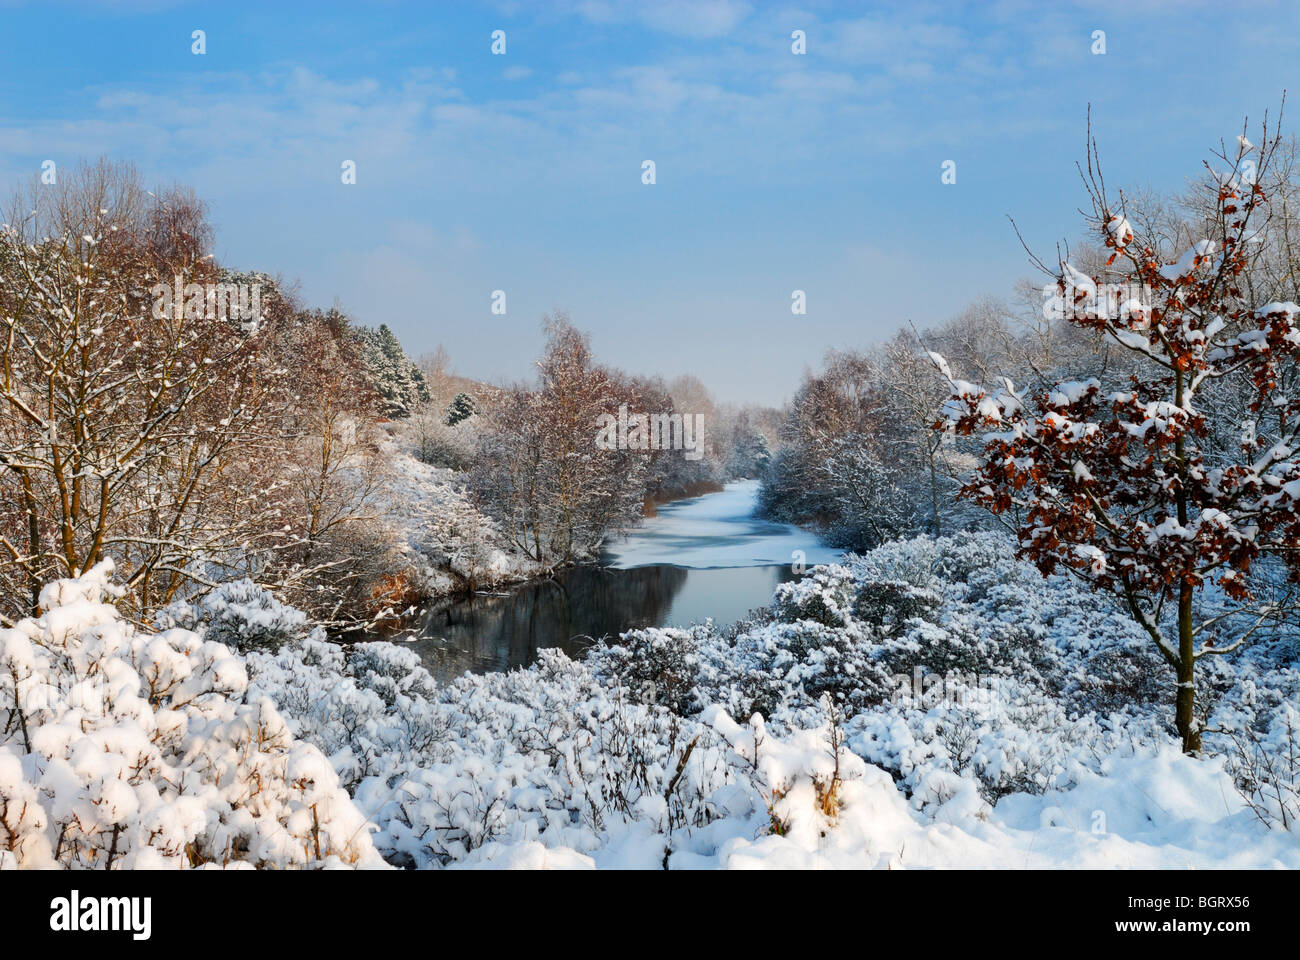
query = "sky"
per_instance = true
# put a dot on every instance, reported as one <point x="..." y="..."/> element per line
<point x="523" y="171"/>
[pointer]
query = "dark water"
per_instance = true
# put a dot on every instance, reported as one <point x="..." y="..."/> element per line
<point x="490" y="633"/>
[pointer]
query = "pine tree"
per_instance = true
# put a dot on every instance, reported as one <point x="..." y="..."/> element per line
<point x="461" y="408"/>
<point x="398" y="380"/>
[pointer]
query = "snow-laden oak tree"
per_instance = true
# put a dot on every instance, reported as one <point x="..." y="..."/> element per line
<point x="1132" y="489"/>
<point x="122" y="748"/>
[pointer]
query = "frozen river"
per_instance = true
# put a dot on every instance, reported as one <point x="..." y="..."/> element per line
<point x="716" y="530"/>
<point x="707" y="557"/>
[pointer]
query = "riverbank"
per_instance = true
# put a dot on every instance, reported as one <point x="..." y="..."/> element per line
<point x="452" y="551"/>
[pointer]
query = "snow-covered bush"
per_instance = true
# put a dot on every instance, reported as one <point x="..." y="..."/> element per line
<point x="241" y="615"/>
<point x="430" y="438"/>
<point x="800" y="777"/>
<point x="959" y="669"/>
<point x="554" y="766"/>
<point x="657" y="666"/>
<point x="123" y="748"/>
<point x="371" y="708"/>
<point x="1257" y="728"/>
<point x="651" y="752"/>
<point x="450" y="543"/>
<point x="545" y="754"/>
<point x="824" y="596"/>
<point x="132" y="748"/>
<point x="889" y="604"/>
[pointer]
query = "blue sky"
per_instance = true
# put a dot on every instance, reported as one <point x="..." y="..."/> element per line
<point x="522" y="172"/>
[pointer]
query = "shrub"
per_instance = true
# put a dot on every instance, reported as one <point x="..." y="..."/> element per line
<point x="241" y="615"/>
<point x="127" y="749"/>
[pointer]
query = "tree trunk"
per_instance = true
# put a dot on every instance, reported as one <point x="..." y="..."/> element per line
<point x="934" y="493"/>
<point x="1186" y="700"/>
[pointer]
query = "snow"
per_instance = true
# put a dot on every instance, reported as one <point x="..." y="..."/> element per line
<point x="1072" y="391"/>
<point x="1134" y="340"/>
<point x="129" y="749"/>
<point x="930" y="704"/>
<point x="653" y="751"/>
<point x="1120" y="229"/>
<point x="1286" y="308"/>
<point x="445" y="536"/>
<point x="717" y="530"/>
<point x="1077" y="282"/>
<point x="1191" y="258"/>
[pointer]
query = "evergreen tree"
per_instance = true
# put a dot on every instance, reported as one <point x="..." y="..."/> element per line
<point x="750" y="453"/>
<point x="461" y="408"/>
<point x="398" y="380"/>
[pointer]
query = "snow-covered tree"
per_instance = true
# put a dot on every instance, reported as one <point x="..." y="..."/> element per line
<point x="125" y="428"/>
<point x="395" y="375"/>
<point x="539" y="471"/>
<point x="1126" y="488"/>
<point x="750" y="453"/>
<point x="188" y="445"/>
<point x="839" y="468"/>
<point x="462" y="407"/>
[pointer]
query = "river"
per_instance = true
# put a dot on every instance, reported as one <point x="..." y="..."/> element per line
<point x="705" y="557"/>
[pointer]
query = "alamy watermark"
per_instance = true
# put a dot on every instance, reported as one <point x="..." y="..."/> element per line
<point x="953" y="689"/>
<point x="212" y="301"/>
<point x="75" y="913"/>
<point x="651" y="431"/>
<point x="1106" y="301"/>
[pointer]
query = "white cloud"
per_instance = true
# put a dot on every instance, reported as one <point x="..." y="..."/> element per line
<point x="698" y="19"/>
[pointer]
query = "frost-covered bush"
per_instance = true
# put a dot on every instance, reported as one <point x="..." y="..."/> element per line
<point x="958" y="668"/>
<point x="824" y="596"/>
<point x="1258" y="730"/>
<point x="888" y="605"/>
<point x="370" y="707"/>
<point x="430" y="438"/>
<point x="792" y="665"/>
<point x="802" y="737"/>
<point x="450" y="543"/>
<point x="1004" y="737"/>
<point x="552" y="765"/>
<point x="123" y="748"/>
<point x="546" y="754"/>
<point x="239" y="614"/>
<point x="657" y="665"/>
<point x="789" y="740"/>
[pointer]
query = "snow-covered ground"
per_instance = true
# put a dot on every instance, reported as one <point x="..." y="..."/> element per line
<point x="717" y="530"/>
<point x="1049" y="747"/>
<point x="785" y="743"/>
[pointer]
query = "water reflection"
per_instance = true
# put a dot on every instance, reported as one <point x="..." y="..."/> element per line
<point x="489" y="633"/>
